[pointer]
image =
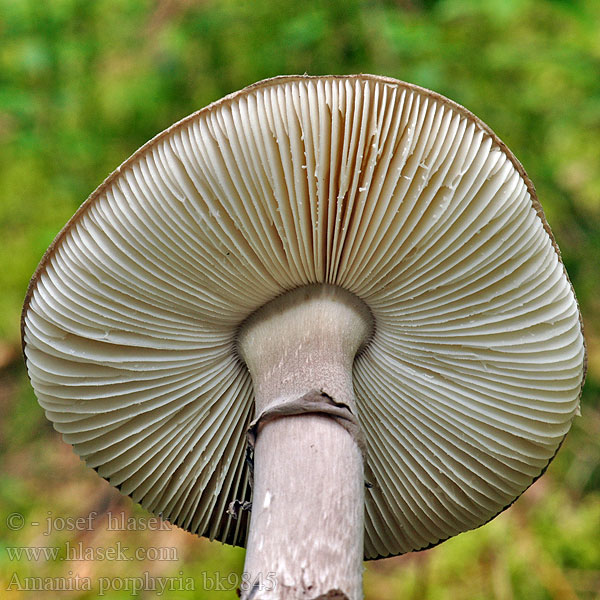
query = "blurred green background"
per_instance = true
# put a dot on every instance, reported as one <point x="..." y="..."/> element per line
<point x="84" y="83"/>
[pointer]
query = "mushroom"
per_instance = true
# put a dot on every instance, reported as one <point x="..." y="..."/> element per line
<point x="348" y="280"/>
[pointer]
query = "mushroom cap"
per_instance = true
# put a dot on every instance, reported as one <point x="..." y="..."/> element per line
<point x="397" y="194"/>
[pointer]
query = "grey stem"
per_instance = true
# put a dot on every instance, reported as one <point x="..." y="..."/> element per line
<point x="306" y="528"/>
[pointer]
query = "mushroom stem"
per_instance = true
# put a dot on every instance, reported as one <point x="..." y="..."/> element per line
<point x="307" y="522"/>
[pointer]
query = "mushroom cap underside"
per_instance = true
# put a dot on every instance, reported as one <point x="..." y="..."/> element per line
<point x="396" y="194"/>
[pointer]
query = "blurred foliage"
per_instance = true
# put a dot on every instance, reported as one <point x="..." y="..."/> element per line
<point x="84" y="83"/>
